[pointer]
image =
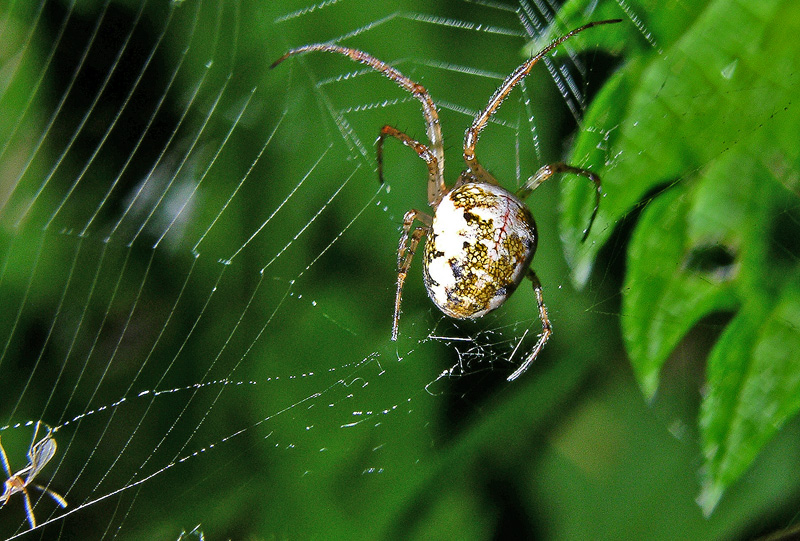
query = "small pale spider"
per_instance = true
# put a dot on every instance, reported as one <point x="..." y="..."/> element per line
<point x="39" y="454"/>
<point x="481" y="238"/>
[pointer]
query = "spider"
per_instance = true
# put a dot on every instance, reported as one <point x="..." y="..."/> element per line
<point x="39" y="454"/>
<point x="481" y="237"/>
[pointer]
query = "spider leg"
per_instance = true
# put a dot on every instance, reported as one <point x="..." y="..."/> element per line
<point x="28" y="508"/>
<point x="409" y="241"/>
<point x="433" y="129"/>
<point x="59" y="499"/>
<point x="548" y="171"/>
<point x="471" y="137"/>
<point x="547" y="328"/>
<point x="421" y="150"/>
<point x="4" y="457"/>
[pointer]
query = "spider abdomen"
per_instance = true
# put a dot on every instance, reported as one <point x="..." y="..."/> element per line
<point x="480" y="246"/>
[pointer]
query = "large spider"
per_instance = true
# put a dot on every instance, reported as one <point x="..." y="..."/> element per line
<point x="39" y="454"/>
<point x="481" y="238"/>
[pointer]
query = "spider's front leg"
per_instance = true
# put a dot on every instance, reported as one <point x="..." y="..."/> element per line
<point x="409" y="241"/>
<point x="548" y="171"/>
<point x="547" y="328"/>
<point x="435" y="190"/>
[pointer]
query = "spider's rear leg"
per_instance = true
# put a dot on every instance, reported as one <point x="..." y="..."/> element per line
<point x="435" y="192"/>
<point x="547" y="328"/>
<point x="548" y="171"/>
<point x="409" y="241"/>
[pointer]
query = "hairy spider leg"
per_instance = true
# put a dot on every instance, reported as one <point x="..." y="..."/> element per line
<point x="421" y="150"/>
<point x="547" y="171"/>
<point x="405" y="253"/>
<point x="471" y="136"/>
<point x="436" y="185"/>
<point x="547" y="328"/>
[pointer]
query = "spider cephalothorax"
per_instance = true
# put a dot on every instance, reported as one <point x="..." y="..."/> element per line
<point x="481" y="237"/>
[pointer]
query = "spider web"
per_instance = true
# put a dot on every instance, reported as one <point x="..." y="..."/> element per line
<point x="197" y="262"/>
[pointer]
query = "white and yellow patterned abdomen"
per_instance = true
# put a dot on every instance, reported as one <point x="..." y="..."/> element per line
<point x="480" y="246"/>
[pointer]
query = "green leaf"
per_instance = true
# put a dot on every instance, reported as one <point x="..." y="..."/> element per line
<point x="677" y="108"/>
<point x="754" y="388"/>
<point x="698" y="129"/>
<point x="677" y="292"/>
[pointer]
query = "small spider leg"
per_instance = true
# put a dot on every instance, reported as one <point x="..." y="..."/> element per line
<point x="432" y="126"/>
<point x="4" y="457"/>
<point x="29" y="508"/>
<point x="421" y="150"/>
<point x="405" y="253"/>
<point x="471" y="136"/>
<point x="58" y="498"/>
<point x="408" y="221"/>
<point x="547" y="171"/>
<point x="547" y="328"/>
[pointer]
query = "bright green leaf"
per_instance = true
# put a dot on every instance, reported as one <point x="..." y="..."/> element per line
<point x="678" y="291"/>
<point x="754" y="388"/>
<point x="700" y="119"/>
